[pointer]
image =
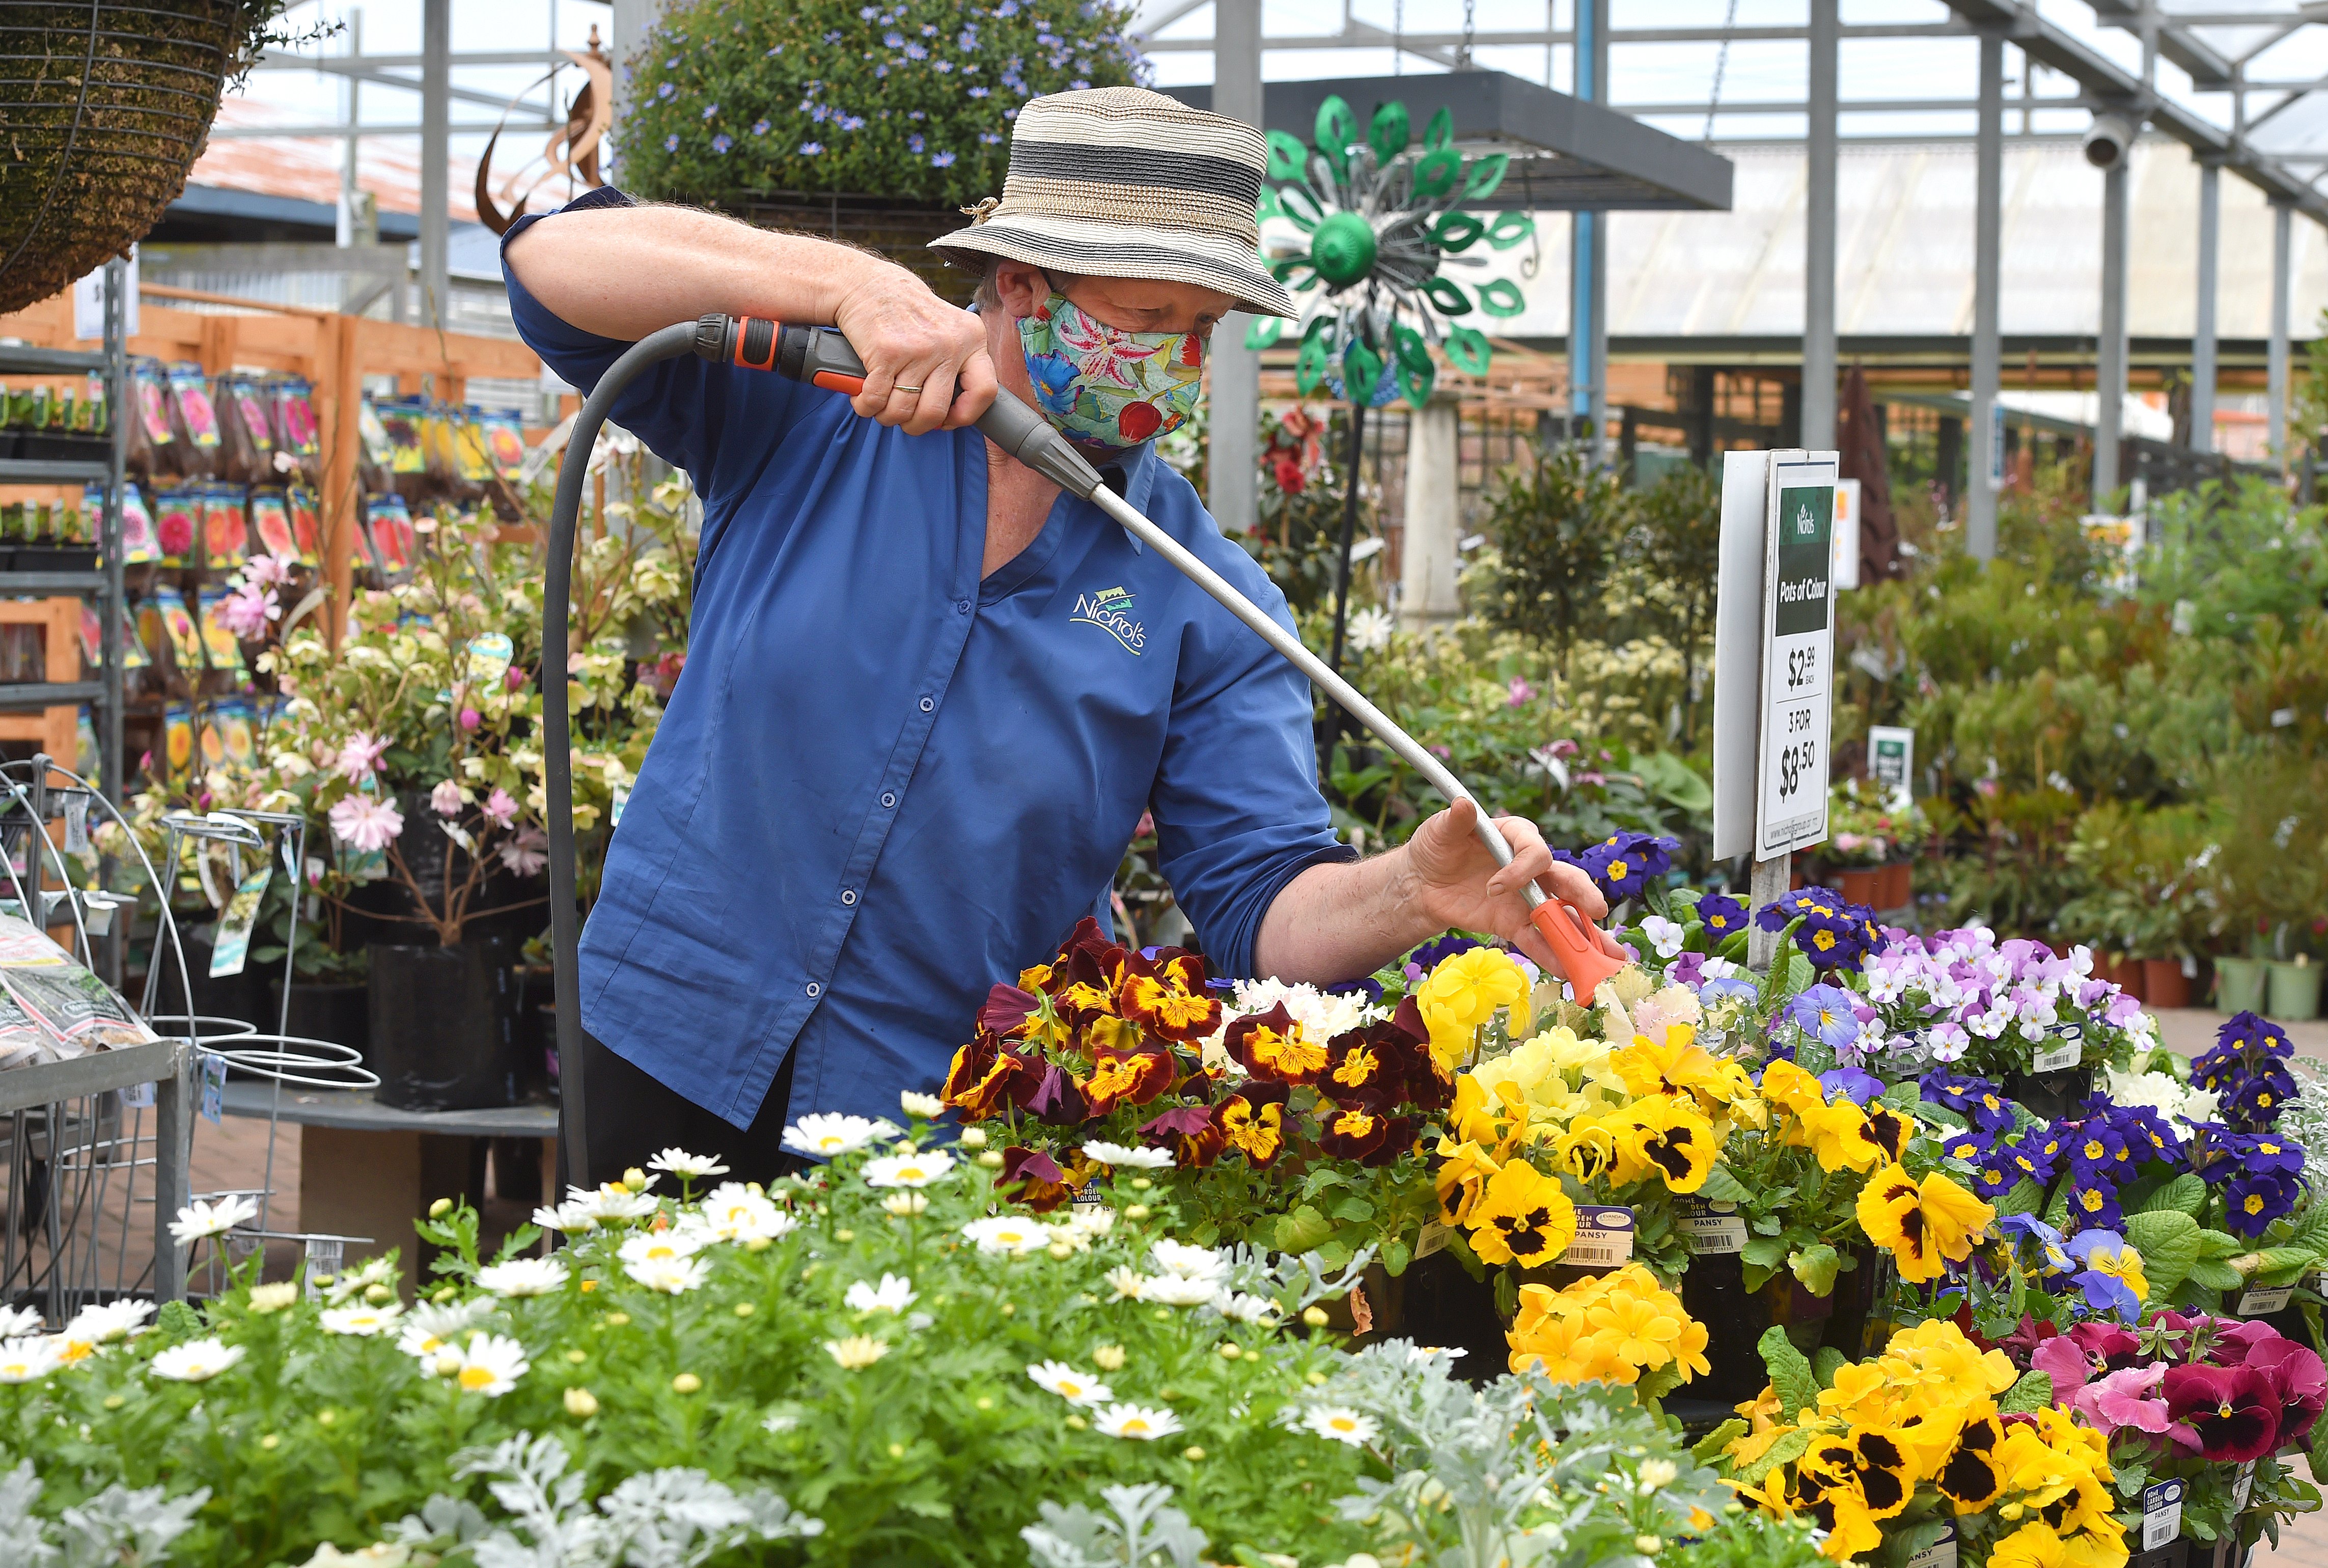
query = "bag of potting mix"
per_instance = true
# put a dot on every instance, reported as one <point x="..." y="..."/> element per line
<point x="78" y="1009"/>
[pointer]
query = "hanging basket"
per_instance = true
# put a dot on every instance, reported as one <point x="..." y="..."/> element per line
<point x="103" y="108"/>
<point x="900" y="231"/>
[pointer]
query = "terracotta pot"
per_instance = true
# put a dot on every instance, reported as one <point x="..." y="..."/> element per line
<point x="2163" y="984"/>
<point x="1863" y="886"/>
<point x="1898" y="885"/>
<point x="2128" y="972"/>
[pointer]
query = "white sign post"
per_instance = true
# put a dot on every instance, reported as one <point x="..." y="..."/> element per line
<point x="89" y="302"/>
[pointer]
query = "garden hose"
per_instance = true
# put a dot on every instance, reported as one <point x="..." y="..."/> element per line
<point x="821" y="357"/>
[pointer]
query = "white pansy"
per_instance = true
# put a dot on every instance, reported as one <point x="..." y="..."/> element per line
<point x="1135" y="1420"/>
<point x="732" y="1212"/>
<point x="1007" y="1232"/>
<point x="101" y="1324"/>
<point x="1719" y="968"/>
<point x="895" y="1293"/>
<point x="908" y="1168"/>
<point x="827" y="1134"/>
<point x="668" y="1272"/>
<point x="1239" y="1307"/>
<point x="1126" y="1158"/>
<point x="1341" y="1425"/>
<point x="928" y="1107"/>
<point x="361" y="1322"/>
<point x="1665" y="936"/>
<point x="199" y="1219"/>
<point x="28" y="1359"/>
<point x="195" y="1361"/>
<point x="1075" y="1387"/>
<point x="1188" y="1263"/>
<point x="691" y="1167"/>
<point x="524" y="1277"/>
<point x="491" y="1366"/>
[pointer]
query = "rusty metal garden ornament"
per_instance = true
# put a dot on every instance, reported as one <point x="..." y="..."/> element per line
<point x="572" y="151"/>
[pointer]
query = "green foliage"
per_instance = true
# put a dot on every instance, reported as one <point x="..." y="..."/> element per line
<point x="2230" y="555"/>
<point x="1753" y="1539"/>
<point x="911" y="99"/>
<point x="1558" y="532"/>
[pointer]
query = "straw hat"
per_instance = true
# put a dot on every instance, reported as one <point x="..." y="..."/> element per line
<point x="1118" y="181"/>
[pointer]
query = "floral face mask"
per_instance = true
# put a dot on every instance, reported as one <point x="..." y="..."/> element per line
<point x="1102" y="387"/>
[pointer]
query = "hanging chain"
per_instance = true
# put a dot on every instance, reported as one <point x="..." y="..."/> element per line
<point x="1398" y="37"/>
<point x="1720" y="65"/>
<point x="1463" y="55"/>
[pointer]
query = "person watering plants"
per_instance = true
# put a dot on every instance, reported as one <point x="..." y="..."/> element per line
<point x="928" y="696"/>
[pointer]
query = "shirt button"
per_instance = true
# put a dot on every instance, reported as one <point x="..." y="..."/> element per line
<point x="927" y="704"/>
<point x="888" y="799"/>
<point x="815" y="990"/>
<point x="962" y="607"/>
<point x="848" y="895"/>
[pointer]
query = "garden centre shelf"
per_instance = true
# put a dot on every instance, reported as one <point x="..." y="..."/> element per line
<point x="12" y="583"/>
<point x="32" y="471"/>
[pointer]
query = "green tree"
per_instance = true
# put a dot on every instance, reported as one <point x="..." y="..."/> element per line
<point x="1676" y="553"/>
<point x="1559" y="531"/>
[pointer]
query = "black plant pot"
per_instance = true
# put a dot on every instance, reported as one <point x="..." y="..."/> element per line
<point x="385" y="911"/>
<point x="441" y="1026"/>
<point x="341" y="1014"/>
<point x="2054" y="1096"/>
<point x="1441" y="1304"/>
<point x="1714" y="1291"/>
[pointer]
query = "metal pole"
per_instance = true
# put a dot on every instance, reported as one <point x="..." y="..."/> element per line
<point x="2202" y="330"/>
<point x="1350" y="527"/>
<point x="1588" y="327"/>
<point x="1988" y="223"/>
<point x="2276" y="373"/>
<point x="1818" y="236"/>
<point x="435" y="157"/>
<point x="2109" y="366"/>
<point x="345" y="230"/>
<point x="111" y="633"/>
<point x="1231" y="465"/>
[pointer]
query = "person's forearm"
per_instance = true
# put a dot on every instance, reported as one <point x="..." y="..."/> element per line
<point x="1343" y="921"/>
<point x="623" y="272"/>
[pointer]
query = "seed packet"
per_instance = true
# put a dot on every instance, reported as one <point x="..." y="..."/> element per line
<point x="295" y="418"/>
<point x="178" y="738"/>
<point x="196" y="419"/>
<point x="403" y="430"/>
<point x="504" y="430"/>
<point x="138" y="541"/>
<point x="225" y="652"/>
<point x="86" y="760"/>
<point x="235" y="724"/>
<point x="270" y="524"/>
<point x="88" y="418"/>
<point x="470" y="458"/>
<point x="92" y="640"/>
<point x="230" y="947"/>
<point x="209" y="733"/>
<point x="388" y="533"/>
<point x="178" y="624"/>
<point x="307" y="524"/>
<point x="178" y="521"/>
<point x="248" y="442"/>
<point x="226" y="533"/>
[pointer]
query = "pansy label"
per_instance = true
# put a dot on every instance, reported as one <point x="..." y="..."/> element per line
<point x="1089" y="1196"/>
<point x="2242" y="1486"/>
<point x="2162" y="1514"/>
<point x="1713" y="1228"/>
<point x="2054" y="1058"/>
<point x="1431" y="1238"/>
<point x="1605" y="1236"/>
<point x="2257" y="1301"/>
<point x="1940" y="1553"/>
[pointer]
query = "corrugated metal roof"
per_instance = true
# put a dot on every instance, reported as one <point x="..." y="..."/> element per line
<point x="308" y="167"/>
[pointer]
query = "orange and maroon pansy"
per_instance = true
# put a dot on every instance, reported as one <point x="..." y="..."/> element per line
<point x="1194" y="1139"/>
<point x="1272" y="1046"/>
<point x="1033" y="1177"/>
<point x="1133" y="1078"/>
<point x="1362" y="1071"/>
<point x="1168" y="996"/>
<point x="1367" y="1136"/>
<point x="1251" y="1122"/>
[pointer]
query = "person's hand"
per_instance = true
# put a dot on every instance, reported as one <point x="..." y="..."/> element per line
<point x="911" y="339"/>
<point x="1457" y="884"/>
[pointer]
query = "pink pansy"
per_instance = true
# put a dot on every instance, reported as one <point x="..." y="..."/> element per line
<point x="446" y="798"/>
<point x="359" y="755"/>
<point x="2127" y="1399"/>
<point x="501" y="807"/>
<point x="366" y="823"/>
<point x="2105" y="1341"/>
<point x="2064" y="1361"/>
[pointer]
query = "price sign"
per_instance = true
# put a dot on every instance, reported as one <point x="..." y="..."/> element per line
<point x="1891" y="760"/>
<point x="1797" y="653"/>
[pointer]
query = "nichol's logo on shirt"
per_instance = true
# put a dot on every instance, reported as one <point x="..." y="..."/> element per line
<point x="1110" y="610"/>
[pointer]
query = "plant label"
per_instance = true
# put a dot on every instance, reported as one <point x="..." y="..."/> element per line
<point x="1605" y="1236"/>
<point x="2257" y="1301"/>
<point x="1940" y="1553"/>
<point x="137" y="1097"/>
<point x="212" y="1103"/>
<point x="2162" y="1514"/>
<point x="1797" y="653"/>
<point x="2243" y="1487"/>
<point x="1714" y="1228"/>
<point x="1431" y="1238"/>
<point x="2055" y="1057"/>
<point x="1891" y="761"/>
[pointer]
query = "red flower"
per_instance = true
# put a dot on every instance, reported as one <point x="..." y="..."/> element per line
<point x="1037" y="1178"/>
<point x="984" y="1074"/>
<point x="1191" y="1134"/>
<point x="1252" y="1122"/>
<point x="1287" y="472"/>
<point x="1361" y="1070"/>
<point x="1007" y="1009"/>
<point x="2299" y="1382"/>
<point x="1059" y="1099"/>
<point x="1126" y="1077"/>
<point x="1369" y="1137"/>
<point x="2234" y="1410"/>
<point x="2107" y="1342"/>
<point x="1430" y="1085"/>
<point x="1168" y="996"/>
<point x="1270" y="1045"/>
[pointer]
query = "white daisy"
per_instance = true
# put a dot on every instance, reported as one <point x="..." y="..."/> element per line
<point x="928" y="1107"/>
<point x="857" y="1352"/>
<point x="101" y="1325"/>
<point x="524" y="1277"/>
<point x="431" y="1328"/>
<point x="195" y="1361"/>
<point x="1135" y="1420"/>
<point x="672" y="1274"/>
<point x="909" y="1168"/>
<point x="491" y="1366"/>
<point x="735" y="1213"/>
<point x="1128" y="1284"/>
<point x="1177" y="1291"/>
<point x="1007" y="1233"/>
<point x="614" y="1201"/>
<point x="572" y="1216"/>
<point x="1341" y="1425"/>
<point x="651" y="1245"/>
<point x="1241" y="1308"/>
<point x="199" y="1219"/>
<point x="828" y="1133"/>
<point x="16" y="1321"/>
<point x="895" y="1293"/>
<point x="28" y="1359"/>
<point x="691" y="1167"/>
<point x="362" y="1323"/>
<point x="1128" y="1158"/>
<point x="1188" y="1263"/>
<point x="1074" y="1386"/>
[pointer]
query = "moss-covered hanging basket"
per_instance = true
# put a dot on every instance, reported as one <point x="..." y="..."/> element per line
<point x="103" y="110"/>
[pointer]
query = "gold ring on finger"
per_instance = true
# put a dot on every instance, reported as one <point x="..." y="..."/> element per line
<point x="913" y="389"/>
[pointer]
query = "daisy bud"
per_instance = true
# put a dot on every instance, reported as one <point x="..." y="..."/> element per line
<point x="686" y="1382"/>
<point x="1192" y="1453"/>
<point x="1648" y="1546"/>
<point x="972" y="1138"/>
<point x="448" y="1363"/>
<point x="992" y="1160"/>
<point x="844" y="1234"/>
<point x="1317" y="1380"/>
<point x="756" y="1244"/>
<point x="1076" y="1422"/>
<point x="269" y="1441"/>
<point x="1109" y="1357"/>
<point x="440" y="1209"/>
<point x="376" y="1294"/>
<point x="1060" y="1249"/>
<point x="616" y="1319"/>
<point x="322" y="1417"/>
<point x="115" y="1402"/>
<point x="581" y="1404"/>
<point x="635" y="1179"/>
<point x="744" y="1308"/>
<point x="1141" y="1184"/>
<point x="1136" y="1211"/>
<point x="577" y="1356"/>
<point x="1315" y="1317"/>
<point x="1230" y="1350"/>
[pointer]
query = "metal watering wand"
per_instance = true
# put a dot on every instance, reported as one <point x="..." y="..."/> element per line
<point x="821" y="357"/>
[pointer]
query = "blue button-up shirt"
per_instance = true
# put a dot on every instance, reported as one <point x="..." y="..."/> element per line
<point x="883" y="783"/>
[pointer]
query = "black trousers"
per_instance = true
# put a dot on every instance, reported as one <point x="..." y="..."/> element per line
<point x="629" y="1117"/>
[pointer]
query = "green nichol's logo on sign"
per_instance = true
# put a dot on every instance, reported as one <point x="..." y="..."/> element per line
<point x="1804" y="559"/>
<point x="1110" y="610"/>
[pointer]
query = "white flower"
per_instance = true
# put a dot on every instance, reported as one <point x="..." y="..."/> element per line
<point x="669" y="1272"/>
<point x="1085" y="1223"/>
<point x="1179" y="1290"/>
<point x="692" y="1167"/>
<point x="827" y="1133"/>
<point x="199" y="1219"/>
<point x="361" y="1322"/>
<point x="1664" y="934"/>
<point x="1070" y="1384"/>
<point x="857" y="1352"/>
<point x="928" y="1107"/>
<point x="1341" y="1425"/>
<point x="1239" y="1307"/>
<point x="1117" y="1154"/>
<point x="101" y="1325"/>
<point x="572" y="1216"/>
<point x="905" y="1205"/>
<point x="491" y="1366"/>
<point x="909" y="1169"/>
<point x="2160" y="1093"/>
<point x="895" y="1293"/>
<point x="430" y="1329"/>
<point x="1369" y="629"/>
<point x="524" y="1277"/>
<point x="30" y="1359"/>
<point x="1007" y="1232"/>
<point x="614" y="1201"/>
<point x="1322" y="1014"/>
<point x="1135" y="1420"/>
<point x="732" y="1212"/>
<point x="1128" y="1284"/>
<point x="648" y="1247"/>
<point x="1719" y="968"/>
<point x="1190" y="1262"/>
<point x="381" y="1270"/>
<point x="195" y="1361"/>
